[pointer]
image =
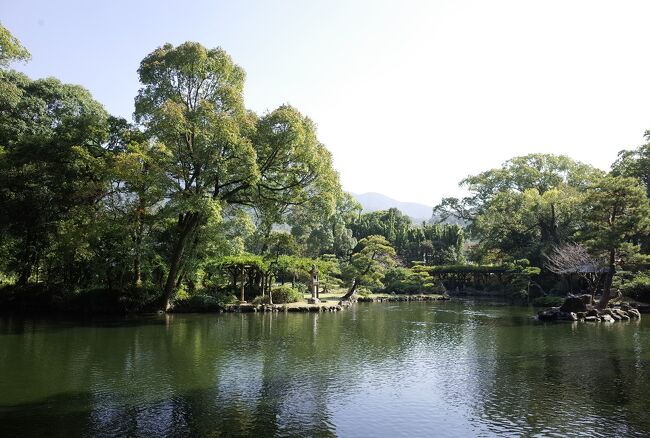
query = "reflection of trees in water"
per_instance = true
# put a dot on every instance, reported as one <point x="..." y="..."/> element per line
<point x="237" y="374"/>
<point x="569" y="378"/>
<point x="280" y="374"/>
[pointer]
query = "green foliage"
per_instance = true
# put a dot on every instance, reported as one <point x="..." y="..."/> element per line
<point x="635" y="286"/>
<point x="286" y="294"/>
<point x="199" y="304"/>
<point x="635" y="164"/>
<point x="261" y="299"/>
<point x="403" y="280"/>
<point x="432" y="244"/>
<point x="206" y="198"/>
<point x="53" y="171"/>
<point x="10" y="48"/>
<point x="617" y="210"/>
<point x="522" y="208"/>
<point x="368" y="265"/>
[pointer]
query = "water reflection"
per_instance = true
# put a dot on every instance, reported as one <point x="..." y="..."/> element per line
<point x="408" y="369"/>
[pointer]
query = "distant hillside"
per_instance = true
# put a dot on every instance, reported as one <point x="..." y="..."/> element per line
<point x="376" y="201"/>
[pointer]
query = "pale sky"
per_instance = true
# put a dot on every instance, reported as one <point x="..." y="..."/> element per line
<point x="410" y="96"/>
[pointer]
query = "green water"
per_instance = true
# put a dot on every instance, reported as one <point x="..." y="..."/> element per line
<point x="394" y="370"/>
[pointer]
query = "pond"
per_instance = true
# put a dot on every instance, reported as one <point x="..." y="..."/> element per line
<point x="440" y="369"/>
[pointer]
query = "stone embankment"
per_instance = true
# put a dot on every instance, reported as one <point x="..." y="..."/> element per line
<point x="292" y="307"/>
<point x="582" y="308"/>
<point x="326" y="306"/>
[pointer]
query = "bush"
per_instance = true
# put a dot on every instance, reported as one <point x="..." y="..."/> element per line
<point x="409" y="281"/>
<point x="286" y="294"/>
<point x="197" y="304"/>
<point x="364" y="292"/>
<point x="548" y="301"/>
<point x="29" y="298"/>
<point x="638" y="287"/>
<point x="261" y="300"/>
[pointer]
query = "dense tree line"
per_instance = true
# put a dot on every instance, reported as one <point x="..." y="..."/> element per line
<point x="431" y="244"/>
<point x="199" y="196"/>
<point x="535" y="204"/>
<point x="94" y="201"/>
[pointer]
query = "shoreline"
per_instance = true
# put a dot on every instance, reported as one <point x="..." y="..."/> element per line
<point x="323" y="306"/>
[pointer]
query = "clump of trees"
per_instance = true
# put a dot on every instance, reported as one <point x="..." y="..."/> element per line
<point x="200" y="200"/>
<point x="562" y="215"/>
<point x="431" y="244"/>
<point x="91" y="201"/>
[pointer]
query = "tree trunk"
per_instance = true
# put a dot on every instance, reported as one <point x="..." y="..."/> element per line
<point x="137" y="262"/>
<point x="351" y="291"/>
<point x="243" y="283"/>
<point x="606" y="296"/>
<point x="25" y="273"/>
<point x="187" y="224"/>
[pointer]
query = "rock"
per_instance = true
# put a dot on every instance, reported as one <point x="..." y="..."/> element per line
<point x="550" y="314"/>
<point x="581" y="315"/>
<point x="587" y="299"/>
<point x="607" y="318"/>
<point x="593" y="312"/>
<point x="313" y="300"/>
<point x="567" y="316"/>
<point x="591" y="319"/>
<point x="634" y="313"/>
<point x="622" y="313"/>
<point x="573" y="304"/>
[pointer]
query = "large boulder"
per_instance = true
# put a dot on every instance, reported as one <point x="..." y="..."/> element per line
<point x="573" y="304"/>
<point x="550" y="314"/>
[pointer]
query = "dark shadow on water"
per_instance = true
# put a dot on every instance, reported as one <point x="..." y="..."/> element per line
<point x="20" y="324"/>
<point x="194" y="414"/>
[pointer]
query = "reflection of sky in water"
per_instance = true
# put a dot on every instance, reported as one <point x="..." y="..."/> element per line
<point x="408" y="369"/>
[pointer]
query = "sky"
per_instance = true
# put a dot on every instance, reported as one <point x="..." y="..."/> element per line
<point x="410" y="96"/>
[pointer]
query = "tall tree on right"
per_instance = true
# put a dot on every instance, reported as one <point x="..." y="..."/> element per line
<point x="616" y="212"/>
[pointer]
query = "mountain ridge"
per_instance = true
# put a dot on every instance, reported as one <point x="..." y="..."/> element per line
<point x="373" y="201"/>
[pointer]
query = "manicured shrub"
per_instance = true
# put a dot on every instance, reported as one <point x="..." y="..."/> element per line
<point x="286" y="294"/>
<point x="409" y="281"/>
<point x="261" y="300"/>
<point x="197" y="304"/>
<point x="548" y="301"/>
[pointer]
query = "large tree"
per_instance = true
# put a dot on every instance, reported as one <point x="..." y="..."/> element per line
<point x="616" y="211"/>
<point x="52" y="161"/>
<point x="368" y="264"/>
<point x="522" y="208"/>
<point x="635" y="163"/>
<point x="191" y="101"/>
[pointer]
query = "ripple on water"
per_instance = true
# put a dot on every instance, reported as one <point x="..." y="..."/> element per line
<point x="400" y="369"/>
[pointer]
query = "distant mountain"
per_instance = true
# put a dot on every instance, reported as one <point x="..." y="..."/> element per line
<point x="376" y="201"/>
